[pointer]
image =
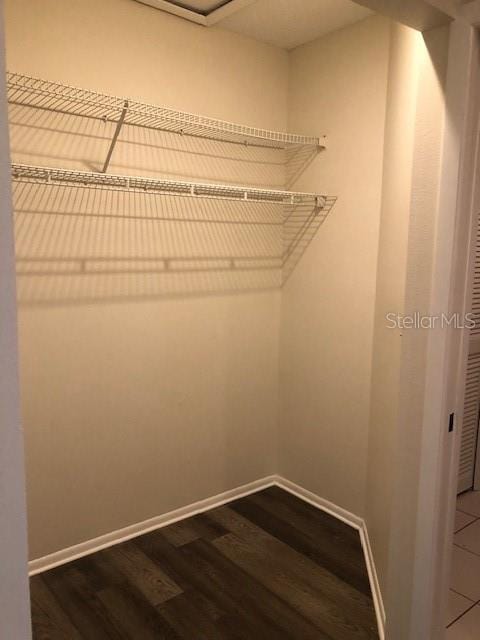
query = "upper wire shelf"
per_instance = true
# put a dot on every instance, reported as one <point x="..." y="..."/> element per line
<point x="51" y="96"/>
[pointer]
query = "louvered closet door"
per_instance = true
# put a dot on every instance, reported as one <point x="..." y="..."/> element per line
<point x="471" y="407"/>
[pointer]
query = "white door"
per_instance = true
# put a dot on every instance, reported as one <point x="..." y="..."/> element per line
<point x="469" y="441"/>
<point x="468" y="448"/>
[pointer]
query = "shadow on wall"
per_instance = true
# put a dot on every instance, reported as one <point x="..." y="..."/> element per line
<point x="77" y="243"/>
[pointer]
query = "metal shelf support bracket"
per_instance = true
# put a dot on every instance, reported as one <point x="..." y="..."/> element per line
<point x="118" y="128"/>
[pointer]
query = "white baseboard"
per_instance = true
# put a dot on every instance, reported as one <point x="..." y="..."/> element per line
<point x="312" y="498"/>
<point x="127" y="533"/>
<point x="374" y="583"/>
<point x="139" y="528"/>
<point x="357" y="523"/>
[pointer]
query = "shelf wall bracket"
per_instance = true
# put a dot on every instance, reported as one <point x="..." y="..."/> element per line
<point x="319" y="203"/>
<point x="115" y="136"/>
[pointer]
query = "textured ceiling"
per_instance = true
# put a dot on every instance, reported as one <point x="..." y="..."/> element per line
<point x="290" y="23"/>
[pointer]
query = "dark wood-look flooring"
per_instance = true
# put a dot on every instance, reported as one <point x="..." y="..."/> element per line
<point x="268" y="566"/>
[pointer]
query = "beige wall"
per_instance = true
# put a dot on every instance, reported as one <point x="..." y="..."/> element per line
<point x="137" y="406"/>
<point x="391" y="283"/>
<point x="205" y="394"/>
<point x="338" y="85"/>
<point x="14" y="602"/>
<point x="351" y="390"/>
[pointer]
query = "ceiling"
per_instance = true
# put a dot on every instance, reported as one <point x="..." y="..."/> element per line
<point x="200" y="6"/>
<point x="283" y="23"/>
<point x="290" y="23"/>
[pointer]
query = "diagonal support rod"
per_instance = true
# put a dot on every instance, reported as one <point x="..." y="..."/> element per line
<point x="115" y="136"/>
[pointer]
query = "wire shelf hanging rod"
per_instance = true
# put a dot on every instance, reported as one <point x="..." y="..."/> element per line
<point x="135" y="184"/>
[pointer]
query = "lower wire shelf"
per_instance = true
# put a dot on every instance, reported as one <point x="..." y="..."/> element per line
<point x="85" y="235"/>
<point x="31" y="173"/>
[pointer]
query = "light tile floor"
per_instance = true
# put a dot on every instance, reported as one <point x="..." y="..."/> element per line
<point x="464" y="601"/>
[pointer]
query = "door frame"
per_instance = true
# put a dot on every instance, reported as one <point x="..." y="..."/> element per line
<point x="448" y="349"/>
<point x="423" y="599"/>
<point x="14" y="593"/>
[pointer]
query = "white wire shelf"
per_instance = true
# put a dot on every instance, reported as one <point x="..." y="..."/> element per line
<point x="86" y="236"/>
<point x="87" y="179"/>
<point x="42" y="94"/>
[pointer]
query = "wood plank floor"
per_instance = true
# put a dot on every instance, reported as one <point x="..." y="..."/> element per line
<point x="268" y="566"/>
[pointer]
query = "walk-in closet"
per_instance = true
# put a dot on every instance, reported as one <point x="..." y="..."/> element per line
<point x="213" y="213"/>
